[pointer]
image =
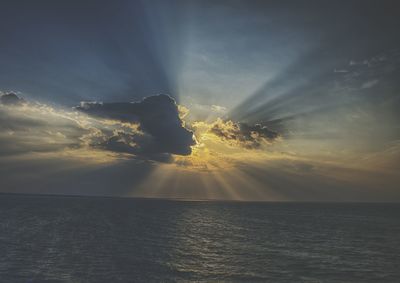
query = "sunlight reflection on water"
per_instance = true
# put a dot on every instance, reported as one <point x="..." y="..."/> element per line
<point x="82" y="239"/>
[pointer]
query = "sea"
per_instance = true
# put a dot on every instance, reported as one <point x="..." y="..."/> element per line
<point x="106" y="239"/>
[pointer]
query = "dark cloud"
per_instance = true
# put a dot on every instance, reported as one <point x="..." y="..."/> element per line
<point x="11" y="99"/>
<point x="121" y="142"/>
<point x="147" y="130"/>
<point x="139" y="144"/>
<point x="158" y="118"/>
<point x="249" y="136"/>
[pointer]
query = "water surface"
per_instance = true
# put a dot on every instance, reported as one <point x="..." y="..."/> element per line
<point x="94" y="239"/>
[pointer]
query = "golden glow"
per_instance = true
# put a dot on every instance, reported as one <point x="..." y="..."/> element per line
<point x="218" y="167"/>
<point x="65" y="134"/>
<point x="215" y="153"/>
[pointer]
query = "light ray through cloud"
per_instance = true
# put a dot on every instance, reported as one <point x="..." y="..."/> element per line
<point x="269" y="103"/>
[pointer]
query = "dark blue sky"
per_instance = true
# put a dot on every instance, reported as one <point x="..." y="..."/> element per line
<point x="67" y="51"/>
<point x="210" y="51"/>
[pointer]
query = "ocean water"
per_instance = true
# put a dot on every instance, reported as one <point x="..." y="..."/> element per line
<point x="94" y="239"/>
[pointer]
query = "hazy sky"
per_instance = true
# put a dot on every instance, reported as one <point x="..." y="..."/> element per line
<point x="244" y="100"/>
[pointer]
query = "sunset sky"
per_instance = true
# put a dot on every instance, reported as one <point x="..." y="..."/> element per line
<point x="227" y="100"/>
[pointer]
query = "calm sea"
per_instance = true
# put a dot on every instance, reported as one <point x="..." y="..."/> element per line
<point x="94" y="239"/>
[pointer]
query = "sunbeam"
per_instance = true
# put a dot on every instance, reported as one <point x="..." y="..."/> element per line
<point x="208" y="100"/>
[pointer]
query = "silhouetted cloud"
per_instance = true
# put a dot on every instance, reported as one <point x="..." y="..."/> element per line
<point x="136" y="143"/>
<point x="146" y="130"/>
<point x="158" y="119"/>
<point x="11" y="99"/>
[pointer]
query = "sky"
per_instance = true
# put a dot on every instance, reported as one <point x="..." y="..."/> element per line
<point x="217" y="100"/>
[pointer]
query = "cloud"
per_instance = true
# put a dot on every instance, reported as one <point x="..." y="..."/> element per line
<point x="240" y="134"/>
<point x="33" y="127"/>
<point x="369" y="84"/>
<point x="218" y="108"/>
<point x="11" y="99"/>
<point x="340" y="71"/>
<point x="148" y="130"/>
<point x="30" y="128"/>
<point x="159" y="121"/>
